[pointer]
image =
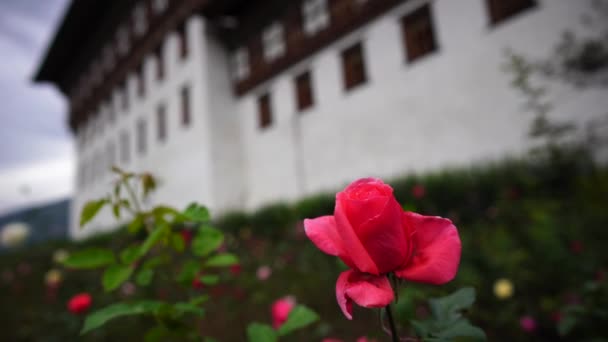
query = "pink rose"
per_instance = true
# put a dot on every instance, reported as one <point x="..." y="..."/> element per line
<point x="527" y="323"/>
<point x="80" y="303"/>
<point x="373" y="236"/>
<point x="280" y="311"/>
<point x="263" y="272"/>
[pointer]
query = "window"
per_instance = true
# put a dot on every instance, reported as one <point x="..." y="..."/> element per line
<point x="274" y="43"/>
<point x="316" y="16"/>
<point x="161" y="123"/>
<point x="264" y="111"/>
<point x="159" y="5"/>
<point x="139" y="20"/>
<point x="124" y="147"/>
<point x="160" y="63"/>
<point x="111" y="111"/>
<point x="141" y="136"/>
<point x="500" y="10"/>
<point x="111" y="155"/>
<point x="80" y="175"/>
<point x="418" y="33"/>
<point x="241" y="64"/>
<point x="183" y="41"/>
<point x="122" y="41"/>
<point x="125" y="96"/>
<point x="185" y="100"/>
<point x="353" y="66"/>
<point x="141" y="81"/>
<point x="303" y="87"/>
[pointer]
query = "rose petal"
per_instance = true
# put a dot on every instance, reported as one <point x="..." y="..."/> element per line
<point x="384" y="237"/>
<point x="355" y="250"/>
<point x="366" y="290"/>
<point x="436" y="249"/>
<point x="322" y="232"/>
<point x="364" y="199"/>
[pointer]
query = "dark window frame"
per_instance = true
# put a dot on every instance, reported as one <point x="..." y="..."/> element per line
<point x="264" y="111"/>
<point x="161" y="123"/>
<point x="354" y="70"/>
<point x="185" y="98"/>
<point x="160" y="63"/>
<point x="141" y="136"/>
<point x="418" y="33"/>
<point x="500" y="11"/>
<point x="141" y="80"/>
<point x="304" y="93"/>
<point x="182" y="35"/>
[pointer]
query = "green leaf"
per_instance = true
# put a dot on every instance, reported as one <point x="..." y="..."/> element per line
<point x="258" y="332"/>
<point x="91" y="209"/>
<point x="188" y="308"/>
<point x="462" y="328"/>
<point x="206" y="241"/>
<point x="148" y="183"/>
<point x="209" y="279"/>
<point x="144" y="277"/>
<point x="222" y="260"/>
<point x="199" y="299"/>
<point x="177" y="242"/>
<point x="157" y="334"/>
<point x="189" y="270"/>
<point x="116" y="211"/>
<point x="446" y="309"/>
<point x="130" y="254"/>
<point x="299" y="317"/>
<point x="136" y="224"/>
<point x="90" y="258"/>
<point x="102" y="316"/>
<point x="196" y="213"/>
<point x="161" y="212"/>
<point x="115" y="275"/>
<point x="156" y="261"/>
<point x="156" y="235"/>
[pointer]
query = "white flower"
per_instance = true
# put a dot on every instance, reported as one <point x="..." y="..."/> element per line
<point x="14" y="234"/>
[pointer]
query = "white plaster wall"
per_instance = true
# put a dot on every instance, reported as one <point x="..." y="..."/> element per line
<point x="182" y="161"/>
<point x="453" y="107"/>
<point x="227" y="163"/>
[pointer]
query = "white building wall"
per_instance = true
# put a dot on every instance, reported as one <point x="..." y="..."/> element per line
<point x="182" y="162"/>
<point x="453" y="107"/>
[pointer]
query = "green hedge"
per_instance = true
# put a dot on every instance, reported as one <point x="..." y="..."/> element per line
<point x="541" y="224"/>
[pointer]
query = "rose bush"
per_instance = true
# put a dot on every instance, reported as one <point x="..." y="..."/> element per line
<point x="373" y="236"/>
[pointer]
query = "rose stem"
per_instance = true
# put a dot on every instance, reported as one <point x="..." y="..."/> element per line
<point x="391" y="323"/>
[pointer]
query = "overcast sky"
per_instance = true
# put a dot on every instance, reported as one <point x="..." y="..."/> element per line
<point x="35" y="144"/>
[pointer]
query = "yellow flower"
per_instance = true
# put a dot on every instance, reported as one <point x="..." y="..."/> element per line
<point x="60" y="255"/>
<point x="503" y="288"/>
<point x="53" y="277"/>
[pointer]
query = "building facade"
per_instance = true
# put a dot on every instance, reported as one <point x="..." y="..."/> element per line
<point x="238" y="103"/>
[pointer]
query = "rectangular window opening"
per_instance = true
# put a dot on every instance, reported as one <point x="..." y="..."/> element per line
<point x="418" y="33"/>
<point x="304" y="94"/>
<point x="353" y="66"/>
<point x="264" y="111"/>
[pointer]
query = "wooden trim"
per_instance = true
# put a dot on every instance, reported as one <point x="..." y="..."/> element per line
<point x="345" y="17"/>
<point x="159" y="28"/>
